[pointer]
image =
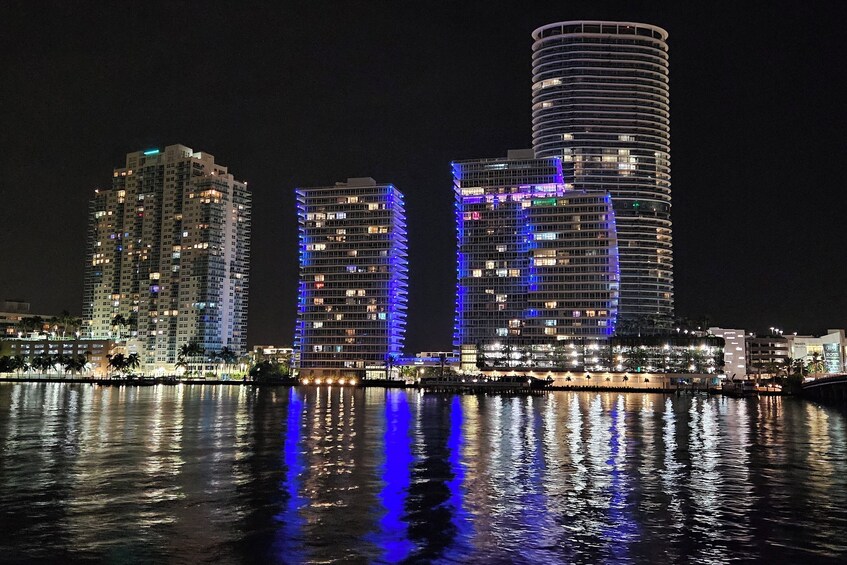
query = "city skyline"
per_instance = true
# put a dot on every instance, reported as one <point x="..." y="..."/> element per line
<point x="733" y="131"/>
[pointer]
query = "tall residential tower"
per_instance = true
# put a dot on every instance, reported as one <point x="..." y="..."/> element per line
<point x="351" y="308"/>
<point x="168" y="256"/>
<point x="600" y="102"/>
<point x="537" y="264"/>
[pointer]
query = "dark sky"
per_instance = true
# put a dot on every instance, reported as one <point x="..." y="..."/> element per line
<point x="315" y="92"/>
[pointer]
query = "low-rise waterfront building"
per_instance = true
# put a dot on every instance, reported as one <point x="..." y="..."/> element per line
<point x="828" y="348"/>
<point x="734" y="351"/>
<point x="95" y="351"/>
<point x="767" y="355"/>
<point x="646" y="354"/>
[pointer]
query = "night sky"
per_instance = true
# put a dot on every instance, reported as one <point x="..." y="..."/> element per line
<point x="316" y="92"/>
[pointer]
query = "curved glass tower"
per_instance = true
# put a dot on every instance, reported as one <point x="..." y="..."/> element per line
<point x="600" y="102"/>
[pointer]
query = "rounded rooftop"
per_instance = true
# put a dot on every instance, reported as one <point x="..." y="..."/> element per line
<point x="600" y="27"/>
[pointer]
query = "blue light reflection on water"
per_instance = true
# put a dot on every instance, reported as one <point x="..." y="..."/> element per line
<point x="199" y="473"/>
<point x="289" y="540"/>
<point x="459" y="515"/>
<point x="393" y="538"/>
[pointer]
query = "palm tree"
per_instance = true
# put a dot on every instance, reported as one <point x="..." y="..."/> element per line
<point x="68" y="363"/>
<point x="227" y="356"/>
<point x="132" y="362"/>
<point x="118" y="322"/>
<point x="19" y="364"/>
<point x="188" y="354"/>
<point x="117" y="362"/>
<point x="816" y="364"/>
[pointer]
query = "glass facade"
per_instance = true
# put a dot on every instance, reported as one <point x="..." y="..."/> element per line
<point x="537" y="264"/>
<point x="351" y="309"/>
<point x="600" y="102"/>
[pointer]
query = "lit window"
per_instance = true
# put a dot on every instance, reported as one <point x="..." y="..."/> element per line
<point x="476" y="273"/>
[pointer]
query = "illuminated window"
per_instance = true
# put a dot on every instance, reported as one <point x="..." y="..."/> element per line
<point x="545" y="235"/>
<point x="550" y="304"/>
<point x="317" y="325"/>
<point x="319" y="277"/>
<point x="476" y="273"/>
<point x="514" y="272"/>
<point x="489" y="264"/>
<point x="319" y="301"/>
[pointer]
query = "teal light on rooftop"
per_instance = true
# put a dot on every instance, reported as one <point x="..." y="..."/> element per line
<point x="152" y="152"/>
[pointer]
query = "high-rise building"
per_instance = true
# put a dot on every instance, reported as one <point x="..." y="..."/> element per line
<point x="600" y="102"/>
<point x="351" y="308"/>
<point x="537" y="264"/>
<point x="168" y="256"/>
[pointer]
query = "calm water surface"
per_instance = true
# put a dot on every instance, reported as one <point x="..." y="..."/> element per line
<point x="187" y="474"/>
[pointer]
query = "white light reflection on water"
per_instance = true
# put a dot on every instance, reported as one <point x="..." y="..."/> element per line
<point x="193" y="473"/>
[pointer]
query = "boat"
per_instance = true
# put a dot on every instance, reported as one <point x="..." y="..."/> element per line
<point x="739" y="388"/>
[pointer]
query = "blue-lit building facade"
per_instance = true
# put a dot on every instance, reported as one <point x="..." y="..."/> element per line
<point x="537" y="262"/>
<point x="351" y="309"/>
